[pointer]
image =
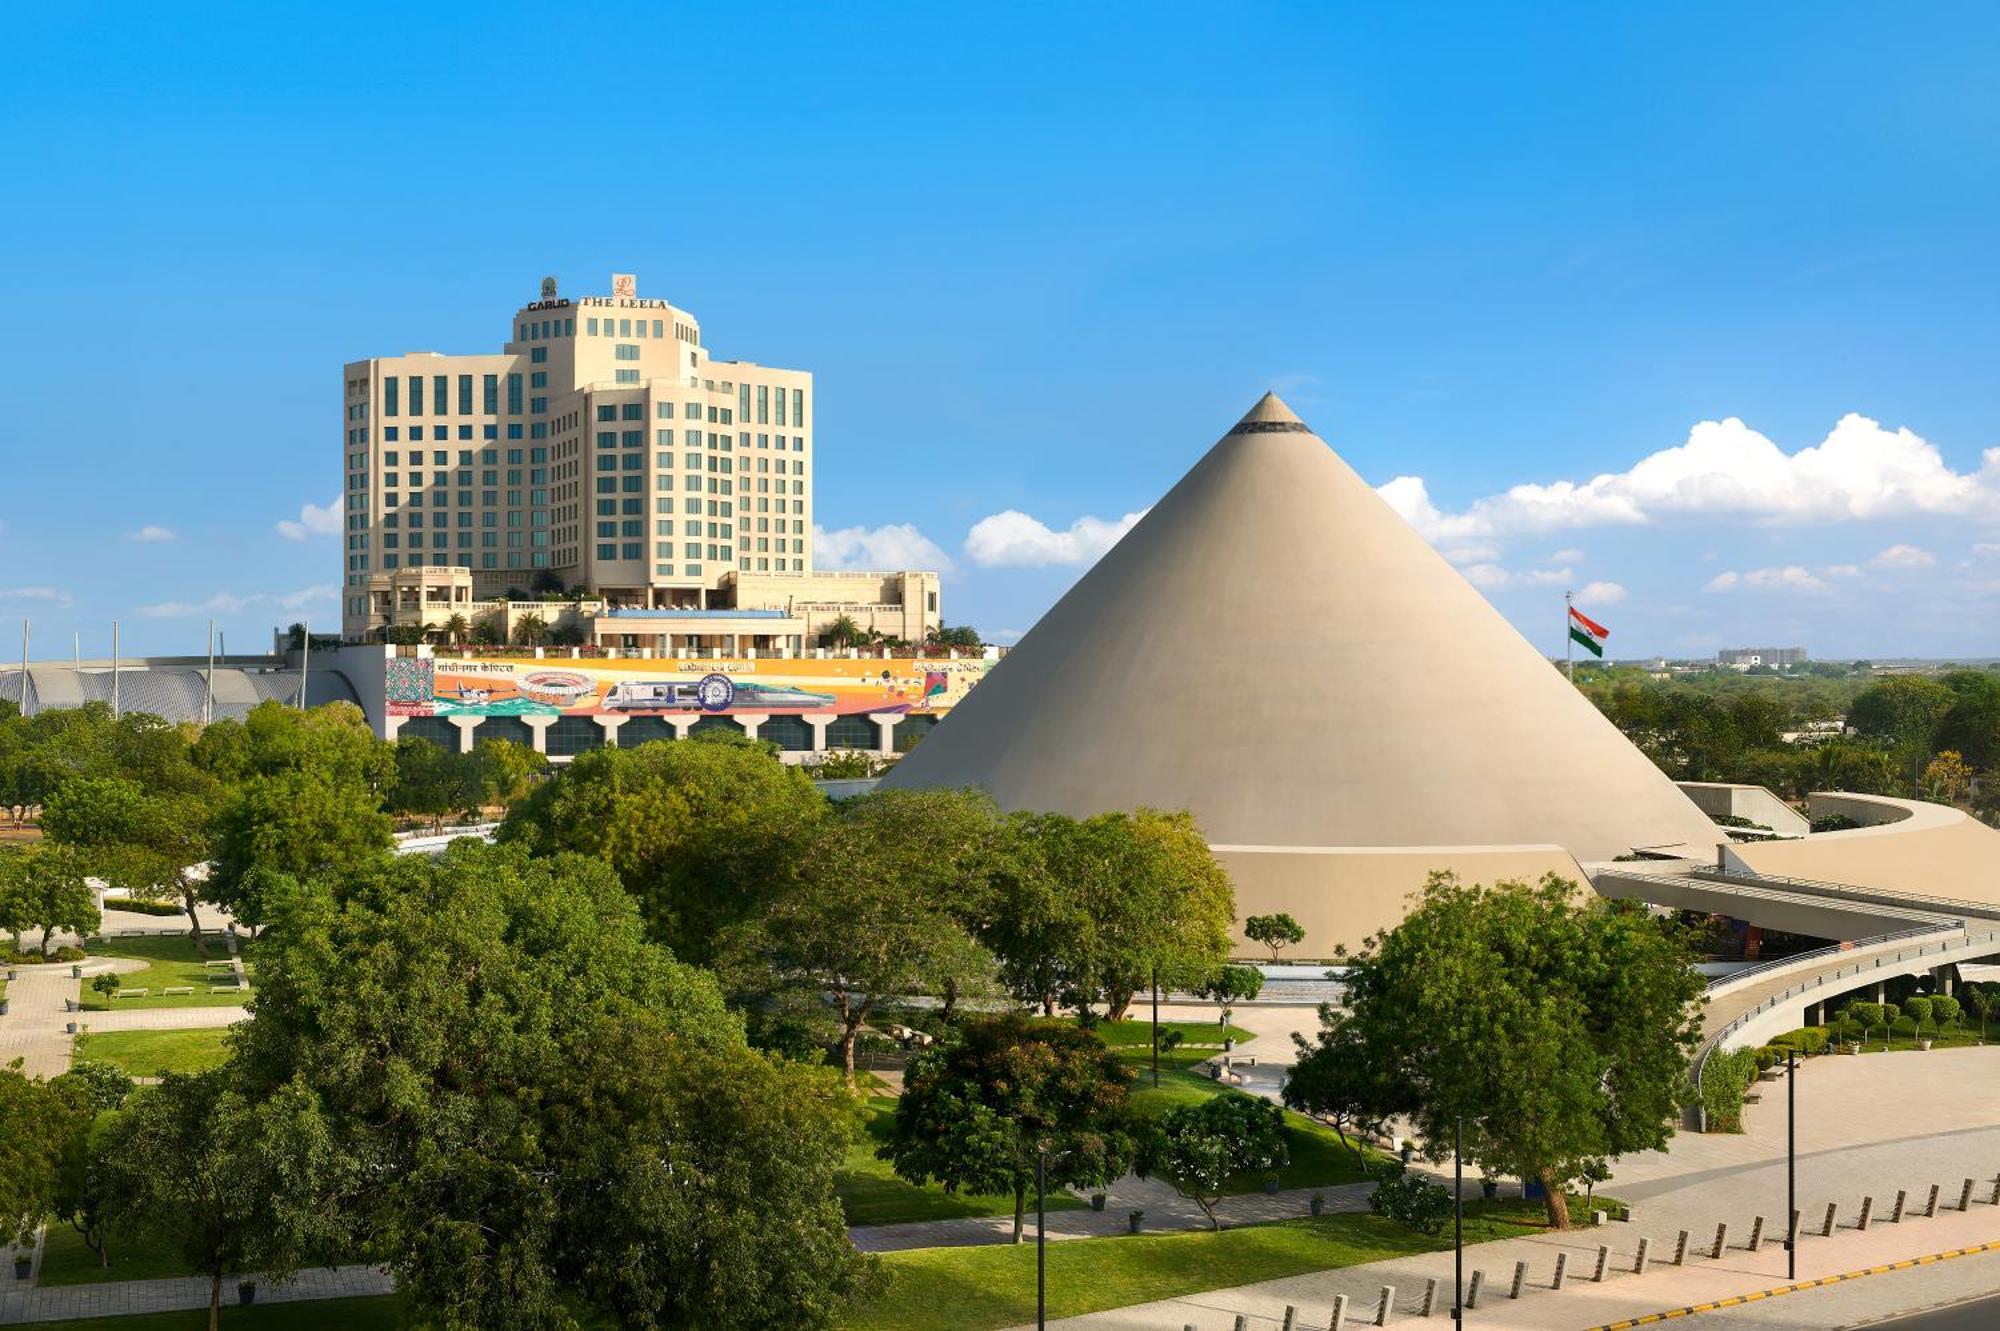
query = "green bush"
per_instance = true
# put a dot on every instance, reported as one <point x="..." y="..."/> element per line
<point x="138" y="906"/>
<point x="1918" y="1010"/>
<point x="1945" y="1010"/>
<point x="1903" y="1028"/>
<point x="1411" y="1200"/>
<point x="34" y="958"/>
<point x="1807" y="1040"/>
<point x="1768" y="1057"/>
<point x="1724" y="1078"/>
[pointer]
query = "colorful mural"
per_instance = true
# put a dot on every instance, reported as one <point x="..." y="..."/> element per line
<point x="444" y="686"/>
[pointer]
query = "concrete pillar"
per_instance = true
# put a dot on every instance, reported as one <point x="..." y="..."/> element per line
<point x="1721" y="1242"/>
<point x="750" y="723"/>
<point x="1994" y="1200"/>
<point x="1896" y="1216"/>
<point x="1430" y="1297"/>
<point x="1943" y="974"/>
<point x="1385" y="1309"/>
<point x="539" y="740"/>
<point x="466" y="726"/>
<point x="1639" y="1262"/>
<point x="682" y="723"/>
<point x="1930" y="1206"/>
<point x="1603" y="1264"/>
<point x="886" y="723"/>
<point x="1681" y="1249"/>
<point x="1474" y="1289"/>
<point x="1826" y="1230"/>
<point x="390" y="725"/>
<point x="1965" y="1195"/>
<point x="1562" y="1263"/>
<point x="1339" y="1322"/>
<point x="818" y="724"/>
<point x="1520" y="1280"/>
<point x="1867" y="1205"/>
<point x="609" y="725"/>
<point x="1757" y="1234"/>
<point x="1242" y="1322"/>
<point x="1881" y="991"/>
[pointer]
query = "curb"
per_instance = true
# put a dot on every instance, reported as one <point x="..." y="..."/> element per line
<point x="1759" y="1295"/>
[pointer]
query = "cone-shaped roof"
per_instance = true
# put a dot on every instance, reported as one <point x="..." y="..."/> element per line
<point x="1275" y="649"/>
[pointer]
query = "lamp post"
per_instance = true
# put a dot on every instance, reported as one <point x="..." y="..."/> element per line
<point x="1041" y="1237"/>
<point x="1156" y="1028"/>
<point x="1458" y="1222"/>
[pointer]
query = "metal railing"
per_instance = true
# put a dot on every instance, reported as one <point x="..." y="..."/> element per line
<point x="1845" y="891"/>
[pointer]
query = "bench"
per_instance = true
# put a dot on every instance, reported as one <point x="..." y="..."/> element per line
<point x="175" y="990"/>
<point x="134" y="993"/>
<point x="225" y="964"/>
<point x="225" y="988"/>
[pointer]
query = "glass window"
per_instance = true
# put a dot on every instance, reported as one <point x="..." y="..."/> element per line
<point x="540" y="378"/>
<point x="416" y="395"/>
<point x="538" y="355"/>
<point x="625" y="351"/>
<point x="664" y="410"/>
<point x="590" y="327"/>
<point x="389" y="384"/>
<point x="743" y="402"/>
<point x="490" y="393"/>
<point x="440" y="398"/>
<point x="513" y="395"/>
<point x="465" y="395"/>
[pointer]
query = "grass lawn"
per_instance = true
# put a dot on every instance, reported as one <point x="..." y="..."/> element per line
<point x="871" y="1194"/>
<point x="66" y="1261"/>
<point x="150" y="1053"/>
<point x="376" y="1314"/>
<point x="170" y="961"/>
<point x="977" y="1289"/>
<point x="1318" y="1157"/>
<point x="1200" y="1040"/>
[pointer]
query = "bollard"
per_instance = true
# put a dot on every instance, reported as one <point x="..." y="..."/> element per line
<point x="1757" y="1233"/>
<point x="1291" y="1318"/>
<point x="1562" y="1262"/>
<point x="1826" y="1226"/>
<point x="1721" y="1242"/>
<point x="1965" y="1195"/>
<point x="1242" y="1322"/>
<point x="1387" y="1306"/>
<point x="1995" y="1198"/>
<point x="1930" y="1206"/>
<point x="1474" y="1289"/>
<point x="1339" y="1322"/>
<point x="1792" y="1234"/>
<point x="1681" y="1249"/>
<point x="1639" y="1262"/>
<point x="1867" y="1205"/>
<point x="1520" y="1280"/>
<point x="1430" y="1298"/>
<point x="1603" y="1261"/>
<point x="1896" y="1216"/>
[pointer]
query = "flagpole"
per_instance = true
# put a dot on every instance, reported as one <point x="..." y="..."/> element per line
<point x="1569" y="644"/>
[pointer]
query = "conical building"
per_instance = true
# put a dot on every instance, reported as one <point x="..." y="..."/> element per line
<point x="1275" y="649"/>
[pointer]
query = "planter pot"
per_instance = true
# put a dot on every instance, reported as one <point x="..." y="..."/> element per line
<point x="1318" y="1205"/>
<point x="1228" y="1045"/>
<point x="71" y="1028"/>
<point x="1270" y="1187"/>
<point x="1924" y="1045"/>
<point x="23" y="1265"/>
<point x="1489" y="1189"/>
<point x="70" y="1005"/>
<point x="76" y="972"/>
<point x="1408" y="1154"/>
<point x="246" y="1292"/>
<point x="1097" y="1201"/>
<point x="1135" y="1220"/>
<point x="3" y="1007"/>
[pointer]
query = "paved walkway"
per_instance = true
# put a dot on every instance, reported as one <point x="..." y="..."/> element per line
<point x="119" y="1298"/>
<point x="34" y="1028"/>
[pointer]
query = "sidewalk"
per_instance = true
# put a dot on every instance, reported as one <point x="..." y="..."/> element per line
<point x="1166" y="1212"/>
<point x="33" y="1029"/>
<point x="119" y="1298"/>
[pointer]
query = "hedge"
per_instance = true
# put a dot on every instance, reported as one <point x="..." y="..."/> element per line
<point x="1724" y="1078"/>
<point x="141" y="907"/>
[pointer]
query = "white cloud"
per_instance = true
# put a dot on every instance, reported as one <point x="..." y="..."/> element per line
<point x="1600" y="593"/>
<point x="151" y="533"/>
<point x="1903" y="557"/>
<point x="1012" y="539"/>
<point x="1725" y="469"/>
<point x="1791" y="577"/>
<point x="1563" y="557"/>
<point x="892" y="547"/>
<point x="230" y="603"/>
<point x="313" y="521"/>
<point x="51" y="595"/>
<point x="1492" y="577"/>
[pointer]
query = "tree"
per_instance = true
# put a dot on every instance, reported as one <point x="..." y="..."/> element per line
<point x="1200" y="1147"/>
<point x="1557" y="1030"/>
<point x="455" y="628"/>
<point x="555" y="1119"/>
<point x="232" y="1184"/>
<point x="976" y="1111"/>
<point x="300" y="824"/>
<point x="1983" y="1001"/>
<point x="531" y="630"/>
<point x="842" y="632"/>
<point x="503" y="771"/>
<point x="701" y="834"/>
<point x="148" y="842"/>
<point x="1274" y="931"/>
<point x="48" y="889"/>
<point x="874" y="910"/>
<point x="36" y="1122"/>
<point x="431" y="780"/>
<point x="1231" y="985"/>
<point x="1971" y="726"/>
<point x="1947" y="778"/>
<point x="1335" y="1080"/>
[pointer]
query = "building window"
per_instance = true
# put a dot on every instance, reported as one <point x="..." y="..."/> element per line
<point x="465" y="395"/>
<point x="513" y="396"/>
<point x="490" y="392"/>
<point x="625" y="351"/>
<point x="538" y="355"/>
<point x="389" y="384"/>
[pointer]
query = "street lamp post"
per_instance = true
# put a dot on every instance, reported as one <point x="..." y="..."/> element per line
<point x="1458" y="1223"/>
<point x="1156" y="1028"/>
<point x="1041" y="1238"/>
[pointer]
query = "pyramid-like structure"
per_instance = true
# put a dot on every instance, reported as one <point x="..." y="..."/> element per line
<point x="1275" y="649"/>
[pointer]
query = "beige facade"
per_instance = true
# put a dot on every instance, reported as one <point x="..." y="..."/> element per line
<point x="603" y="446"/>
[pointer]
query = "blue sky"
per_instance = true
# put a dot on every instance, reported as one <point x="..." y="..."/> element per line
<point x="1038" y="258"/>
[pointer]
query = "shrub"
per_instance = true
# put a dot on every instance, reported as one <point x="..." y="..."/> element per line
<point x="1918" y="1010"/>
<point x="1834" y="822"/>
<point x="1768" y="1057"/>
<point x="1807" y="1040"/>
<point x="1903" y="1028"/>
<point x="140" y="906"/>
<point x="34" y="958"/>
<point x="1945" y="1010"/>
<point x="1724" y="1078"/>
<point x="1411" y="1200"/>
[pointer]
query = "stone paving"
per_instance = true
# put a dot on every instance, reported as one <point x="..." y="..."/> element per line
<point x="1704" y="1180"/>
<point x="123" y="1297"/>
<point x="35" y="1027"/>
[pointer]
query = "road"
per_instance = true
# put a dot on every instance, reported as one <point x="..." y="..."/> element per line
<point x="1978" y="1315"/>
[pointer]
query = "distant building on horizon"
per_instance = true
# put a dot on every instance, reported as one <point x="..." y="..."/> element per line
<point x="1742" y="658"/>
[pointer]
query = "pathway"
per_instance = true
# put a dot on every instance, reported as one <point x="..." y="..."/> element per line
<point x="123" y="1297"/>
<point x="34" y="1029"/>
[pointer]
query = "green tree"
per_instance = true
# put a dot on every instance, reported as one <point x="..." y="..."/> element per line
<point x="554" y="1118"/>
<point x="1335" y="1079"/>
<point x="36" y="1123"/>
<point x="298" y="823"/>
<point x="876" y="908"/>
<point x="842" y="632"/>
<point x="1200" y="1147"/>
<point x="701" y="834"/>
<point x="1971" y="726"/>
<point x="531" y="630"/>
<point x="504" y="771"/>
<point x="47" y="888"/>
<point x="454" y="628"/>
<point x="977" y="1111"/>
<point x="149" y="842"/>
<point x="431" y="780"/>
<point x="1903" y="712"/>
<point x="1558" y="1030"/>
<point x="1274" y="931"/>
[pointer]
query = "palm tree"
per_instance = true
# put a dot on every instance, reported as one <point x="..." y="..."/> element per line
<point x="843" y="632"/>
<point x="530" y="630"/>
<point x="455" y="628"/>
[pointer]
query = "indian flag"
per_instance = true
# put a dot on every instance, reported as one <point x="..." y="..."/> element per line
<point x="1586" y="632"/>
